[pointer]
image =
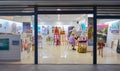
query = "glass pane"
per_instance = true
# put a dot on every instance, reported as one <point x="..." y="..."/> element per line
<point x="65" y="39"/>
<point x="108" y="37"/>
<point x="16" y="40"/>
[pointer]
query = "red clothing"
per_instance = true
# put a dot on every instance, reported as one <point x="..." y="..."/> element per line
<point x="57" y="39"/>
<point x="101" y="44"/>
<point x="56" y="32"/>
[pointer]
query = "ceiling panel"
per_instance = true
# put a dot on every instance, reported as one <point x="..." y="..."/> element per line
<point x="59" y="2"/>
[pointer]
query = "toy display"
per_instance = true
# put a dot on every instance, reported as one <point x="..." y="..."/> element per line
<point x="82" y="40"/>
<point x="82" y="44"/>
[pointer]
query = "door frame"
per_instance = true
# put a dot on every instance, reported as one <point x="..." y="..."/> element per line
<point x="69" y="12"/>
<point x="95" y="17"/>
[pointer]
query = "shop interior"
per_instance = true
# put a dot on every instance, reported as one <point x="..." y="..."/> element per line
<point x="54" y="32"/>
<point x="108" y="32"/>
<point x="54" y="35"/>
<point x="53" y="39"/>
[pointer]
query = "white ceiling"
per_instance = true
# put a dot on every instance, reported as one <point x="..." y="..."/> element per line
<point x="61" y="17"/>
<point x="48" y="17"/>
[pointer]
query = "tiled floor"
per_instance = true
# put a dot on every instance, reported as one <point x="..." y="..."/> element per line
<point x="110" y="57"/>
<point x="63" y="55"/>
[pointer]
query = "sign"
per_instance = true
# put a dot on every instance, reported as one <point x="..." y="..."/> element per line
<point x="4" y="44"/>
<point x="15" y="42"/>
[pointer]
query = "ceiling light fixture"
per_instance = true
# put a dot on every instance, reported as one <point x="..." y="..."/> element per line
<point x="58" y="9"/>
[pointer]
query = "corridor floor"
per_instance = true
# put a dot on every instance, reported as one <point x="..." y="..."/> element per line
<point x="59" y="67"/>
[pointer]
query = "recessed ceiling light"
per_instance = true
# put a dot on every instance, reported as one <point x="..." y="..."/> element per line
<point x="90" y="15"/>
<point x="58" y="9"/>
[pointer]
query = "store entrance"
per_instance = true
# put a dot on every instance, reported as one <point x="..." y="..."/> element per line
<point x="65" y="38"/>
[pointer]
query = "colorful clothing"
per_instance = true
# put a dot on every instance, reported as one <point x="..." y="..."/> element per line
<point x="72" y="40"/>
<point x="57" y="39"/>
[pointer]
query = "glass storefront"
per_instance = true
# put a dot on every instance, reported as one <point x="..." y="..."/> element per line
<point x="64" y="35"/>
<point x="16" y="39"/>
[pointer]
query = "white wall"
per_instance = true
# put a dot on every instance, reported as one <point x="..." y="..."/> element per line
<point x="6" y="26"/>
<point x="112" y="37"/>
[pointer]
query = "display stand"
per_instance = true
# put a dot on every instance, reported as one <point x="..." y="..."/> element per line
<point x="82" y="44"/>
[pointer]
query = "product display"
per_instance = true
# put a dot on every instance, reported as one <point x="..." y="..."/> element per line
<point x="82" y="45"/>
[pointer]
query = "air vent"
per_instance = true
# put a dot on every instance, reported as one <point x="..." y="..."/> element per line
<point x="109" y="11"/>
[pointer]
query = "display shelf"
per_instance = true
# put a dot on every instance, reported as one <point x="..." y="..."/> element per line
<point x="82" y="46"/>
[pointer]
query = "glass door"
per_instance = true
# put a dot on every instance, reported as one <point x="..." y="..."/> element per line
<point x="108" y="37"/>
<point x="65" y="38"/>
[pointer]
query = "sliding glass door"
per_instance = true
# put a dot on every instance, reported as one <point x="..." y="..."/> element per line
<point x="65" y="38"/>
